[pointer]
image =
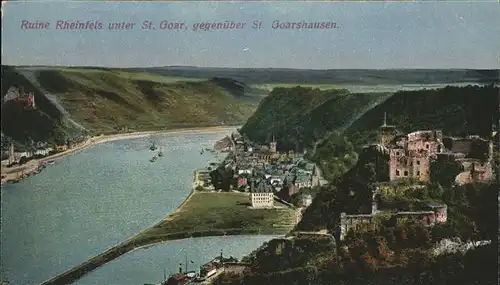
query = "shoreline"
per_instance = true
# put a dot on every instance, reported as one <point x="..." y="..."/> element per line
<point x="12" y="174"/>
<point x="140" y="241"/>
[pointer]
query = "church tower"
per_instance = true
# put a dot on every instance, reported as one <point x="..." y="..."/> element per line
<point x="272" y="145"/>
<point x="386" y="132"/>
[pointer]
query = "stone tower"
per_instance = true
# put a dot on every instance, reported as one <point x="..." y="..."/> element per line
<point x="386" y="132"/>
<point x="272" y="145"/>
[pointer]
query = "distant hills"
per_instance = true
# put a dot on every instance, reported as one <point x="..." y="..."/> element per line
<point x="336" y="76"/>
<point x="109" y="100"/>
<point x="312" y="76"/>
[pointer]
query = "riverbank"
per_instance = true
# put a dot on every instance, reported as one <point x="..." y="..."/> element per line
<point x="10" y="174"/>
<point x="201" y="214"/>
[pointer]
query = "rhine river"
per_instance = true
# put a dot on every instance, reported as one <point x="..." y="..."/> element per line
<point x="93" y="199"/>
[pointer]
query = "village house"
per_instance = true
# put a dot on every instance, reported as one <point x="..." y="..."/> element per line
<point x="202" y="179"/>
<point x="224" y="145"/>
<point x="302" y="180"/>
<point x="261" y="194"/>
<point x="241" y="181"/>
<point x="306" y="200"/>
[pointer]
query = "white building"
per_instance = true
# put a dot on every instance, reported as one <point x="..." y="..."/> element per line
<point x="306" y="200"/>
<point x="261" y="194"/>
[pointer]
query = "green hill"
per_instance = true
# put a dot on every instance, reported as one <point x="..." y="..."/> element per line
<point x="108" y="100"/>
<point x="302" y="117"/>
<point x="299" y="116"/>
<point x="455" y="110"/>
<point x="111" y="100"/>
<point x="45" y="123"/>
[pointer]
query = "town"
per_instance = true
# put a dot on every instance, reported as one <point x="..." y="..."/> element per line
<point x="262" y="171"/>
<point x="267" y="175"/>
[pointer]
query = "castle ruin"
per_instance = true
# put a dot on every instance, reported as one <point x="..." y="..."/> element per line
<point x="410" y="154"/>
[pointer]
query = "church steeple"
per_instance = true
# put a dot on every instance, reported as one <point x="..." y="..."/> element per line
<point x="272" y="145"/>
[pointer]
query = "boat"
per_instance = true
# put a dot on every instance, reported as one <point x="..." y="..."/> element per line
<point x="160" y="153"/>
<point x="202" y="151"/>
<point x="211" y="269"/>
<point x="50" y="162"/>
<point x="182" y="278"/>
<point x="153" y="159"/>
<point x="153" y="146"/>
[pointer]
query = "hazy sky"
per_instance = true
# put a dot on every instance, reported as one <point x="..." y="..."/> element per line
<point x="370" y="35"/>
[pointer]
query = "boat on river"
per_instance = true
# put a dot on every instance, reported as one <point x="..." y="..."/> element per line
<point x="153" y="159"/>
<point x="153" y="146"/>
<point x="160" y="153"/>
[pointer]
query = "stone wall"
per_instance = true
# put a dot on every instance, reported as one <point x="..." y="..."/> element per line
<point x="437" y="214"/>
<point x="354" y="222"/>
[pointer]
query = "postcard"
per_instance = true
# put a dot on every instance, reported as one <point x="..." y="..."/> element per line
<point x="249" y="142"/>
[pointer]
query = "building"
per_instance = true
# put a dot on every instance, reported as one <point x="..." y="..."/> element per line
<point x="387" y="132"/>
<point x="241" y="181"/>
<point x="224" y="145"/>
<point x="306" y="200"/>
<point x="272" y="146"/>
<point x="18" y="94"/>
<point x="261" y="194"/>
<point x="303" y="180"/>
<point x="61" y="147"/>
<point x="203" y="179"/>
<point x="354" y="222"/>
<point x="410" y="155"/>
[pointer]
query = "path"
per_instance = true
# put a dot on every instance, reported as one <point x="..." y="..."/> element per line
<point x="31" y="76"/>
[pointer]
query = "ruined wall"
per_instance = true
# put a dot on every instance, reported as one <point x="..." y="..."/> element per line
<point x="462" y="145"/>
<point x="353" y="222"/>
<point x="406" y="165"/>
<point x="387" y="135"/>
<point x="430" y="141"/>
<point x="427" y="218"/>
<point x="437" y="214"/>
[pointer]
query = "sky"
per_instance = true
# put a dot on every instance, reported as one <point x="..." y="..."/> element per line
<point x="370" y="35"/>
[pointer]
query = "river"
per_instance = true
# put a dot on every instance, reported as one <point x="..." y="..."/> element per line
<point x="98" y="197"/>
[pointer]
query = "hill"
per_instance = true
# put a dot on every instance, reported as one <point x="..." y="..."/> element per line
<point x="45" y="123"/>
<point x="338" y="123"/>
<point x="300" y="116"/>
<point x="112" y="100"/>
<point x="455" y="110"/>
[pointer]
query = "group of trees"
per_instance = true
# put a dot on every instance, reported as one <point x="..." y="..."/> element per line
<point x="300" y="116"/>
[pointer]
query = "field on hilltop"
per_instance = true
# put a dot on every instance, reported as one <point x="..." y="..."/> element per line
<point x="278" y="76"/>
